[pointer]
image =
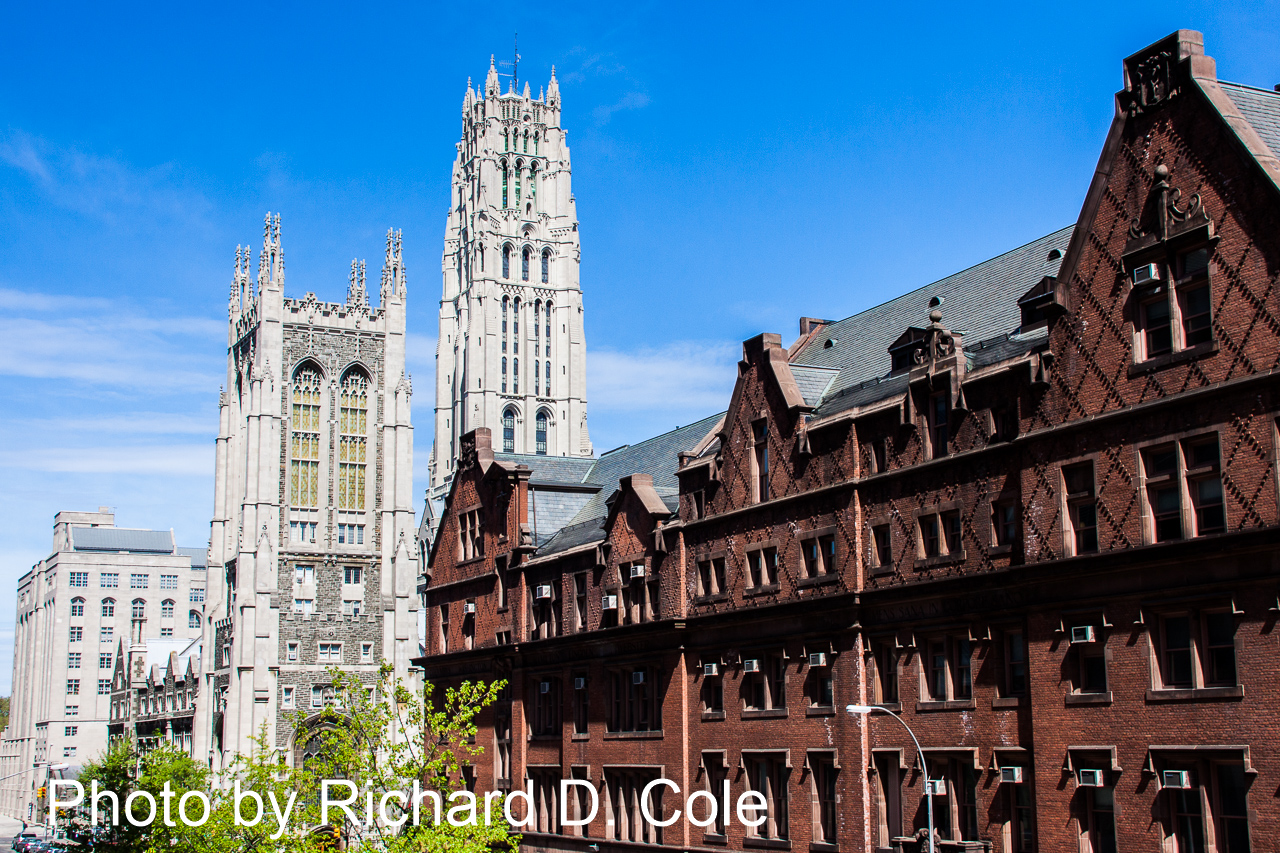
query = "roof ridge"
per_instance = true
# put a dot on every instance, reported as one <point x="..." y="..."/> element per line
<point x="1272" y="92"/>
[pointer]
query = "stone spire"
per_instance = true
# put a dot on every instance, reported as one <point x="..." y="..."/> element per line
<point x="491" y="86"/>
<point x="357" y="296"/>
<point x="393" y="277"/>
<point x="553" y="90"/>
<point x="526" y="90"/>
<point x="271" y="261"/>
<point x="237" y="286"/>
<point x="469" y="98"/>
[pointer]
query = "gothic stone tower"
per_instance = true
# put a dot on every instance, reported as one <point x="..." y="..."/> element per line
<point x="312" y="557"/>
<point x="511" y="353"/>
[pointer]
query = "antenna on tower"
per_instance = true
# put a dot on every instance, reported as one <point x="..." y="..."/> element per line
<point x="515" y="63"/>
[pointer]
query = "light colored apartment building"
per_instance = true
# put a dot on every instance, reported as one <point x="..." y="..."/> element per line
<point x="73" y="609"/>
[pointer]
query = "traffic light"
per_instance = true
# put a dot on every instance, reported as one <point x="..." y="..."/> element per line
<point x="40" y="794"/>
<point x="326" y="836"/>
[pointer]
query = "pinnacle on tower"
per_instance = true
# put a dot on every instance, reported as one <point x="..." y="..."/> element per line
<point x="469" y="98"/>
<point x="234" y="305"/>
<point x="357" y="296"/>
<point x="526" y="90"/>
<point x="553" y="90"/>
<point x="491" y="85"/>
<point x="393" y="277"/>
<point x="271" y="261"/>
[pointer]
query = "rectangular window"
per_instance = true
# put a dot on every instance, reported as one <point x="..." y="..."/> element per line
<point x="881" y="546"/>
<point x="948" y="669"/>
<point x="819" y="555"/>
<point x="712" y="694"/>
<point x="580" y="602"/>
<point x="76" y="634"/>
<point x="1082" y="508"/>
<point x="138" y="581"/>
<point x="104" y="660"/>
<point x="1004" y="522"/>
<point x="711" y="576"/>
<point x="291" y="652"/>
<point x="70" y="731"/>
<point x="304" y="606"/>
<point x="825" y="799"/>
<point x="166" y="632"/>
<point x="351" y="606"/>
<point x="73" y="660"/>
<point x="286" y="697"/>
<point x="196" y="595"/>
<point x="760" y="460"/>
<point x="109" y="580"/>
<point x="317" y="696"/>
<point x="1184" y="489"/>
<point x="886" y="664"/>
<point x="351" y="574"/>
<point x="716" y="773"/>
<point x="879" y="455"/>
<point x="634" y="700"/>
<point x="1157" y="333"/>
<point x="546" y="706"/>
<point x="1197" y="649"/>
<point x="769" y="776"/>
<point x="78" y="579"/>
<point x="168" y="581"/>
<point x="470" y="535"/>
<point x="581" y="704"/>
<point x="304" y="574"/>
<point x="443" y="625"/>
<point x="366" y="653"/>
<point x="1196" y="316"/>
<point x="73" y="687"/>
<point x="73" y="710"/>
<point x="104" y="687"/>
<point x="951" y="530"/>
<point x="939" y="426"/>
<point x="1087" y="653"/>
<point x="762" y="566"/>
<point x="105" y="633"/>
<point x="503" y="583"/>
<point x="621" y="805"/>
<point x="766" y="687"/>
<point x="930" y="537"/>
<point x="1015" y="663"/>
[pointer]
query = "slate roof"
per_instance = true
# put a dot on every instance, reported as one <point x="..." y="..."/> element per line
<point x="1261" y="108"/>
<point x="551" y="469"/>
<point x="199" y="556"/>
<point x="121" y="539"/>
<point x="813" y="381"/>
<point x="582" y="533"/>
<point x="980" y="302"/>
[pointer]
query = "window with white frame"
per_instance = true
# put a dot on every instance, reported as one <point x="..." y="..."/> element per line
<point x="330" y="653"/>
<point x="1183" y="489"/>
<point x="138" y="580"/>
<point x="947" y="668"/>
<point x="168" y="581"/>
<point x="1195" y="648"/>
<point x="109" y="580"/>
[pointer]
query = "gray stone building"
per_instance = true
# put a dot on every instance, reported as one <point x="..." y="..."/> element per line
<point x="73" y="610"/>
<point x="312" y="546"/>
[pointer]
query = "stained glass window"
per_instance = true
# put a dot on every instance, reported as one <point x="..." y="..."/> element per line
<point x="524" y="264"/>
<point x="541" y="433"/>
<point x="509" y="431"/>
<point x="353" y="426"/>
<point x="546" y="274"/>
<point x="304" y="465"/>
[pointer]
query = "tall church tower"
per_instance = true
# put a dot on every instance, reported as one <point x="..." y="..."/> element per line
<point x="312" y="556"/>
<point x="511" y="354"/>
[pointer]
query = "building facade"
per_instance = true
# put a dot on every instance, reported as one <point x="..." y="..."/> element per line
<point x="154" y="690"/>
<point x="1048" y="542"/>
<point x="74" y="608"/>
<point x="511" y="350"/>
<point x="312" y="541"/>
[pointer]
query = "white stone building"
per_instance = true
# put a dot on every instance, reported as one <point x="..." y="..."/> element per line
<point x="312" y="542"/>
<point x="511" y="353"/>
<point x="73" y="610"/>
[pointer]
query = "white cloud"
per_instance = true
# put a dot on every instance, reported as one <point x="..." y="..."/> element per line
<point x="692" y="376"/>
<point x="100" y="187"/>
<point x="629" y="101"/>
<point x="136" y="423"/>
<point x="173" y="459"/>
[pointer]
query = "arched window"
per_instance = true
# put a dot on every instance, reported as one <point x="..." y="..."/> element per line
<point x="77" y="606"/>
<point x="503" y="166"/>
<point x="353" y="428"/>
<point x="526" y="142"/>
<point x="506" y="309"/>
<point x="506" y="259"/>
<point x="509" y="431"/>
<point x="193" y="619"/>
<point x="535" y="143"/>
<point x="304" y="466"/>
<point x="139" y="610"/>
<point x="540" y="433"/>
<point x="548" y="389"/>
<point x="548" y="329"/>
<point x="537" y="376"/>
<point x="519" y="169"/>
<point x="533" y="182"/>
<point x="166" y="609"/>
<point x="537" y="327"/>
<point x="546" y="270"/>
<point x="524" y="264"/>
<point x="506" y="141"/>
<point x="480" y="257"/>
<point x="515" y="376"/>
<point x="515" y="327"/>
<point x="108" y="607"/>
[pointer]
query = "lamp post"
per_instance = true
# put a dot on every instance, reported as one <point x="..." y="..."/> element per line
<point x="867" y="710"/>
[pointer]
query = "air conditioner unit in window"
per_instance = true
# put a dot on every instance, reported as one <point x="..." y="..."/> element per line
<point x="1175" y="779"/>
<point x="637" y="572"/>
<point x="579" y="684"/>
<point x="1089" y="778"/>
<point x="1146" y="273"/>
<point x="469" y="608"/>
<point x="817" y="658"/>
<point x="609" y="602"/>
<point x="637" y="677"/>
<point x="711" y="669"/>
<point x="544" y="687"/>
<point x="1011" y="775"/>
<point x="751" y="665"/>
<point x="935" y="787"/>
<point x="1082" y="634"/>
<point x="542" y="591"/>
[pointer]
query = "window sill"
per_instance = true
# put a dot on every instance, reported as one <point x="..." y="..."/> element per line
<point x="820" y="711"/>
<point x="767" y="589"/>
<point x="880" y="571"/>
<point x="999" y="550"/>
<point x="940" y="560"/>
<point x="1196" y="694"/>
<point x="545" y="737"/>
<point x="473" y="561"/>
<point x="580" y="736"/>
<point x="712" y="716"/>
<point x="711" y="599"/>
<point x="769" y="843"/>
<point x="949" y="705"/>
<point x="716" y="839"/>
<point x="819" y="580"/>
<point x="1087" y="698"/>
<point x="653" y="735"/>
<point x="1170" y="359"/>
<point x="1006" y="702"/>
<point x="764" y="713"/>
<point x="822" y="847"/>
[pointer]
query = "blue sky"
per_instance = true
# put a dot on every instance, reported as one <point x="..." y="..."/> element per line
<point x="736" y="166"/>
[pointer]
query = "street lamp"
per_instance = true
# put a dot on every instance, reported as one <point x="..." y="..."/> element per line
<point x="867" y="710"/>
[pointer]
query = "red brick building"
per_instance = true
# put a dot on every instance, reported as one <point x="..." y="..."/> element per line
<point x="1031" y="507"/>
